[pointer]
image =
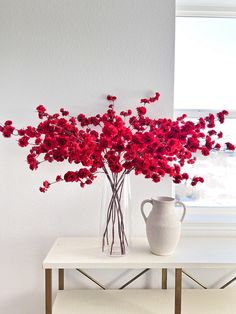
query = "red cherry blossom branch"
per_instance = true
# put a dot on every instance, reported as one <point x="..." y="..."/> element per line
<point x="121" y="141"/>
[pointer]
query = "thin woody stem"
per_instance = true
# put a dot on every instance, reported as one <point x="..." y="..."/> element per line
<point x="109" y="212"/>
<point x="114" y="213"/>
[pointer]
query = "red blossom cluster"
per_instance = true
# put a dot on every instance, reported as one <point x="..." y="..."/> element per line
<point x="111" y="142"/>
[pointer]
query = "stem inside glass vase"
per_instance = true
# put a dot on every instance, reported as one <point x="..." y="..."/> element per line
<point x="114" y="236"/>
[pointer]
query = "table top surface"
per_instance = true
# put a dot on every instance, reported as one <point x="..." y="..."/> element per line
<point x="191" y="252"/>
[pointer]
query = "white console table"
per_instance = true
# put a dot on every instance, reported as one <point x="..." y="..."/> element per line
<point x="192" y="252"/>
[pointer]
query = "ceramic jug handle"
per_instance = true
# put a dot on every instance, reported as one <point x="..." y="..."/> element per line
<point x="142" y="210"/>
<point x="184" y="207"/>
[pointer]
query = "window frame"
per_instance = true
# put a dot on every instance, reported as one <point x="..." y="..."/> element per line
<point x="206" y="220"/>
<point x="205" y="11"/>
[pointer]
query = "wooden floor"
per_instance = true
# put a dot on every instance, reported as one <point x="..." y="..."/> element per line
<point x="155" y="301"/>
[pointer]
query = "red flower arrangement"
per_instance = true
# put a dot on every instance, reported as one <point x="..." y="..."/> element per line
<point x="118" y="144"/>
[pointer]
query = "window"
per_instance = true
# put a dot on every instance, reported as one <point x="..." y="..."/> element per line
<point x="205" y="81"/>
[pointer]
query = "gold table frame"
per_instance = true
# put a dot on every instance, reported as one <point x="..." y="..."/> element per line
<point x="61" y="283"/>
<point x="178" y="284"/>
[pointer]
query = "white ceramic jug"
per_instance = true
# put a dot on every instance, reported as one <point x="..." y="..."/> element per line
<point x="162" y="225"/>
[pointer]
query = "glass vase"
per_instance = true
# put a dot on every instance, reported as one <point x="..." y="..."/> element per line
<point x="115" y="214"/>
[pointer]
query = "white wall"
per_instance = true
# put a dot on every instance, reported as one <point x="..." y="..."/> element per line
<point x="69" y="53"/>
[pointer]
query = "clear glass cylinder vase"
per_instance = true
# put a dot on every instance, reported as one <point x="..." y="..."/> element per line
<point x="115" y="214"/>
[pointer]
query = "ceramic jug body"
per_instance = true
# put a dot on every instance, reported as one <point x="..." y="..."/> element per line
<point x="163" y="227"/>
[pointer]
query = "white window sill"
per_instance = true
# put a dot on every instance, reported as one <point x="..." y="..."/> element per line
<point x="210" y="221"/>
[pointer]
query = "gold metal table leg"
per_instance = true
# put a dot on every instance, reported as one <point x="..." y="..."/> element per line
<point x="48" y="291"/>
<point x="178" y="290"/>
<point x="60" y="279"/>
<point x="164" y="278"/>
